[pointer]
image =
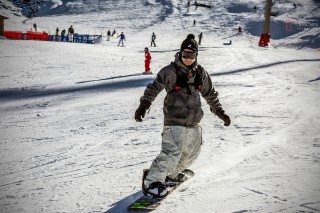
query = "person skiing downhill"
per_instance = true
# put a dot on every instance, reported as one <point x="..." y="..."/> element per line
<point x="147" y="60"/>
<point x="184" y="80"/>
<point x="122" y="38"/>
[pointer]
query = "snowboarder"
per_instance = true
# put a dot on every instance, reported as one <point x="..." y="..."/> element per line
<point x="147" y="60"/>
<point x="122" y="37"/>
<point x="184" y="80"/>
<point x="108" y="35"/>
<point x="200" y="38"/>
<point x="70" y="33"/>
<point x="153" y="38"/>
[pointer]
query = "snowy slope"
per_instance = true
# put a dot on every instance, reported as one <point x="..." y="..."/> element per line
<point x="69" y="142"/>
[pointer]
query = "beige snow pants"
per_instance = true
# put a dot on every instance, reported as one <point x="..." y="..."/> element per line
<point x="180" y="148"/>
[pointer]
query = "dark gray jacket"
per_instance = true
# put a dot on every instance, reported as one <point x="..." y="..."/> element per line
<point x="182" y="107"/>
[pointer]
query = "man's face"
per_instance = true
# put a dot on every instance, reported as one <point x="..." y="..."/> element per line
<point x="188" y="59"/>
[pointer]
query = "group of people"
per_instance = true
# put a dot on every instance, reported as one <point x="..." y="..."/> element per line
<point x="109" y="34"/>
<point x="63" y="34"/>
<point x="121" y="40"/>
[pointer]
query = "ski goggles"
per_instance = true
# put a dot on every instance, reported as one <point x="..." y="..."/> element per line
<point x="191" y="55"/>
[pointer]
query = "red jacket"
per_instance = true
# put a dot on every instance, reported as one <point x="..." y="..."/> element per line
<point x="148" y="56"/>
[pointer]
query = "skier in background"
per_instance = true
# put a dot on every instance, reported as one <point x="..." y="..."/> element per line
<point x="63" y="34"/>
<point x="200" y="38"/>
<point x="114" y="32"/>
<point x="108" y="35"/>
<point x="35" y="27"/>
<point x="153" y="38"/>
<point x="122" y="38"/>
<point x="57" y="34"/>
<point x="70" y="33"/>
<point x="147" y="61"/>
<point x="184" y="80"/>
<point x="239" y="30"/>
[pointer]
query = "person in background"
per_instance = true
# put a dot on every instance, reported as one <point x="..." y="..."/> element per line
<point x="200" y="38"/>
<point x="184" y="80"/>
<point x="63" y="34"/>
<point x="113" y="33"/>
<point x="35" y="27"/>
<point x="70" y="33"/>
<point x="255" y="8"/>
<point x="153" y="38"/>
<point x="147" y="61"/>
<point x="108" y="35"/>
<point x="122" y="38"/>
<point x="57" y="34"/>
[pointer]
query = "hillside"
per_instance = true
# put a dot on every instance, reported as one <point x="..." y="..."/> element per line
<point x="294" y="27"/>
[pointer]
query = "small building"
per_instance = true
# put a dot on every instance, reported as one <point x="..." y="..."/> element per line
<point x="2" y="18"/>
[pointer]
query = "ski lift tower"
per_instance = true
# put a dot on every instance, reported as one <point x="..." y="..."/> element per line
<point x="265" y="36"/>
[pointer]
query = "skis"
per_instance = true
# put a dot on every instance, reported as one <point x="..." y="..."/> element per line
<point x="147" y="73"/>
<point x="149" y="203"/>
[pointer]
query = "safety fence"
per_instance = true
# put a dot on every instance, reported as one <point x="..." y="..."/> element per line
<point x="43" y="36"/>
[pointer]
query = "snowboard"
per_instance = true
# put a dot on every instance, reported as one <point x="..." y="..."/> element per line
<point x="149" y="203"/>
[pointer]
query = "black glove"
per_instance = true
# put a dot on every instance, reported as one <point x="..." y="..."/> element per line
<point x="220" y="113"/>
<point x="141" y="111"/>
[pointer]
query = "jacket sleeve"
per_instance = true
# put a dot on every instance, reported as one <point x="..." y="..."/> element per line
<point x="209" y="93"/>
<point x="153" y="89"/>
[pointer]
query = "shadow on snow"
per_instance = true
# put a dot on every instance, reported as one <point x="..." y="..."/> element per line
<point x="122" y="205"/>
<point x="263" y="66"/>
<point x="21" y="93"/>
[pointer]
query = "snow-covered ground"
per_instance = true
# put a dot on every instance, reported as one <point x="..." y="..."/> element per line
<point x="69" y="142"/>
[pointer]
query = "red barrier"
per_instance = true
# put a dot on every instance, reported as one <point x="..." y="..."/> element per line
<point x="37" y="36"/>
<point x="13" y="34"/>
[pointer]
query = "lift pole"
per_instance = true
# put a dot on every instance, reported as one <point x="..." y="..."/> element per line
<point x="265" y="36"/>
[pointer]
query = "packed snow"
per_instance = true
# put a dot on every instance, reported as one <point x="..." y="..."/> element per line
<point x="69" y="142"/>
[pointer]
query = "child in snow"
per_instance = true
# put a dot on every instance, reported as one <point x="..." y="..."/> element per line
<point x="147" y="60"/>
<point x="184" y="80"/>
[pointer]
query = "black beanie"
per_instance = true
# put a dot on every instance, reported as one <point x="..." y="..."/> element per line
<point x="189" y="43"/>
